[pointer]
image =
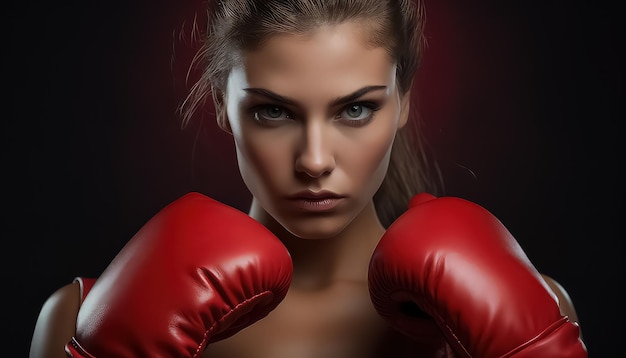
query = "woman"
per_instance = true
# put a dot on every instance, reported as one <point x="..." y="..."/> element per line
<point x="317" y="97"/>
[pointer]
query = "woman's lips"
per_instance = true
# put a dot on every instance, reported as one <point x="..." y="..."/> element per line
<point x="316" y="201"/>
<point x="316" y="205"/>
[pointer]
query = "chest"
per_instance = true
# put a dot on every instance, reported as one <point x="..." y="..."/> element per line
<point x="338" y="322"/>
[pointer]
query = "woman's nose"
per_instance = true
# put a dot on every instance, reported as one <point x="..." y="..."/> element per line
<point x="315" y="156"/>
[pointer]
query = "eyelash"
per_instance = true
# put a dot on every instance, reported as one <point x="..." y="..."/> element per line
<point x="368" y="106"/>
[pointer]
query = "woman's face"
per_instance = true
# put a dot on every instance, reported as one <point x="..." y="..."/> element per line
<point x="313" y="119"/>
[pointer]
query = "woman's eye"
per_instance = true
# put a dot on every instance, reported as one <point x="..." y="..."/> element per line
<point x="357" y="113"/>
<point x="270" y="113"/>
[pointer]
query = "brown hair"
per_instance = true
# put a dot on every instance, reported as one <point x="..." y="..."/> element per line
<point x="234" y="26"/>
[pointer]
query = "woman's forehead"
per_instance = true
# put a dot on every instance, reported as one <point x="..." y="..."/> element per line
<point x="333" y="56"/>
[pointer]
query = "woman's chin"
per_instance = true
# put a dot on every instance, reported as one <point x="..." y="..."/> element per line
<point x="316" y="229"/>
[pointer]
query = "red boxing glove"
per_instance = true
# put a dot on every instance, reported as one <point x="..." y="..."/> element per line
<point x="197" y="272"/>
<point x="462" y="267"/>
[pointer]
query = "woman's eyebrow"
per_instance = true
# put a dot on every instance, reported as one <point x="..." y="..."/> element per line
<point x="337" y="101"/>
<point x="271" y="95"/>
<point x="357" y="94"/>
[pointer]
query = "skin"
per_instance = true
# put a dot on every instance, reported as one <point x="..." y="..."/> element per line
<point x="306" y="144"/>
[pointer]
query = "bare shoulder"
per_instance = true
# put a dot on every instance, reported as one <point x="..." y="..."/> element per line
<point x="56" y="323"/>
<point x="565" y="302"/>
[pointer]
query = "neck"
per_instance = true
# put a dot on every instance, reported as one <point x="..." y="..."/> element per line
<point x="321" y="262"/>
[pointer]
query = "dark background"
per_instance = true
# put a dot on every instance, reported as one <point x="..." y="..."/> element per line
<point x="522" y="103"/>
